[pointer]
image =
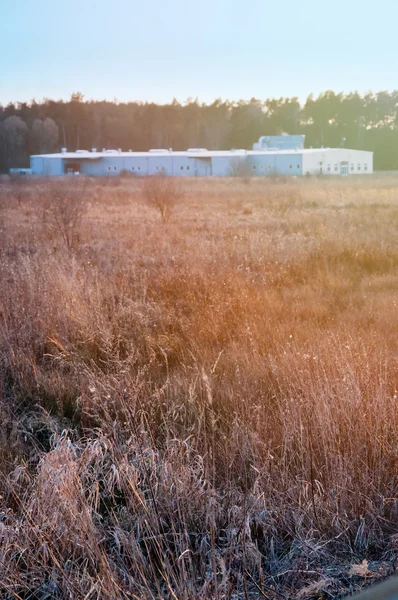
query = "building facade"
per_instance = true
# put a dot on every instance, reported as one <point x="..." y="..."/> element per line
<point x="271" y="155"/>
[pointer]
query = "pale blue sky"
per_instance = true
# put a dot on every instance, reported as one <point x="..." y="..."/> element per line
<point x="159" y="49"/>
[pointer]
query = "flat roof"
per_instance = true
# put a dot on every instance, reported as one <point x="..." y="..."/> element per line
<point x="111" y="154"/>
<point x="87" y="155"/>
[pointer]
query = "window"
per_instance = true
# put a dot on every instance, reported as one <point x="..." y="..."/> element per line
<point x="359" y="167"/>
<point x="336" y="168"/>
<point x="157" y="168"/>
<point x="132" y="168"/>
<point x="109" y="168"/>
<point x="114" y="168"/>
<point x="328" y="168"/>
<point x="352" y="167"/>
<point x="163" y="169"/>
<point x="262" y="167"/>
<point x="298" y="166"/>
<point x="182" y="168"/>
<point x="269" y="167"/>
<point x="366" y="167"/>
<point x="290" y="166"/>
<point x="254" y="167"/>
<point x="187" y="168"/>
<point x="139" y="168"/>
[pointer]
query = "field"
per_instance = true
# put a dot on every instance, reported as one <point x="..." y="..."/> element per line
<point x="200" y="408"/>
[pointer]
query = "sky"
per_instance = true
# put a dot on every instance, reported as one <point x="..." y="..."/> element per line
<point x="157" y="50"/>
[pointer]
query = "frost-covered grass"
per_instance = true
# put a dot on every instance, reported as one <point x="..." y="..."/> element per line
<point x="206" y="408"/>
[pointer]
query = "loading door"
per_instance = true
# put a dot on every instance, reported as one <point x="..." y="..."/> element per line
<point x="71" y="168"/>
<point x="203" y="167"/>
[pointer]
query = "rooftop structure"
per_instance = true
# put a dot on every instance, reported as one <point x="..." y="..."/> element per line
<point x="280" y="142"/>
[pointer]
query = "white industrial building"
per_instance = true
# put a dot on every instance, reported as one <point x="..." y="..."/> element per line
<point x="271" y="155"/>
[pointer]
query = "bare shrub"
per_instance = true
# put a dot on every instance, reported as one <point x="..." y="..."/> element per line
<point x="21" y="188"/>
<point x="65" y="203"/>
<point x="238" y="167"/>
<point x="163" y="193"/>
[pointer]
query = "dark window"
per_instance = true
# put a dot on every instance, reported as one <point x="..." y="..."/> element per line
<point x="114" y="168"/>
<point x="359" y="167"/>
<point x="182" y="168"/>
<point x="298" y="166"/>
<point x="366" y="167"/>
<point x="254" y="167"/>
<point x="139" y="168"/>
<point x="290" y="166"/>
<point x="187" y="168"/>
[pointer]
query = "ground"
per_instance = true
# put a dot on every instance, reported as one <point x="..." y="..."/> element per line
<point x="204" y="405"/>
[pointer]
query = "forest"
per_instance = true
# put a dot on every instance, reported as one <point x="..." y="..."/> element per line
<point x="368" y="122"/>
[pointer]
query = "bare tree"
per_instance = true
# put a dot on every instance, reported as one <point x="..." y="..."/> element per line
<point x="65" y="202"/>
<point x="162" y="193"/>
<point x="238" y="167"/>
<point x="14" y="133"/>
<point x="45" y="135"/>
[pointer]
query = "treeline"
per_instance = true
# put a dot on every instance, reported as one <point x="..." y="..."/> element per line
<point x="368" y="122"/>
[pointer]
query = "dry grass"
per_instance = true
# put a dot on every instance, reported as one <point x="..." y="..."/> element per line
<point x="207" y="409"/>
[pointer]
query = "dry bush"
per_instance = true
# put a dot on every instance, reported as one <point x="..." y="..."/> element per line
<point x="163" y="193"/>
<point x="239" y="168"/>
<point x="64" y="203"/>
<point x="206" y="411"/>
<point x="21" y="188"/>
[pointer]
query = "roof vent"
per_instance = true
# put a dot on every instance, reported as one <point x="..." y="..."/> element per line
<point x="63" y="150"/>
<point x="93" y="149"/>
<point x="130" y="150"/>
<point x="119" y="149"/>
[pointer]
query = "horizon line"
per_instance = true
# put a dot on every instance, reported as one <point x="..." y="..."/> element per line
<point x="192" y="99"/>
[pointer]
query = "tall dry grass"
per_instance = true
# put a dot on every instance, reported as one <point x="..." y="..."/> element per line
<point x="203" y="410"/>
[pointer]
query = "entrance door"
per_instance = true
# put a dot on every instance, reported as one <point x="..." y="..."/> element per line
<point x="344" y="168"/>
